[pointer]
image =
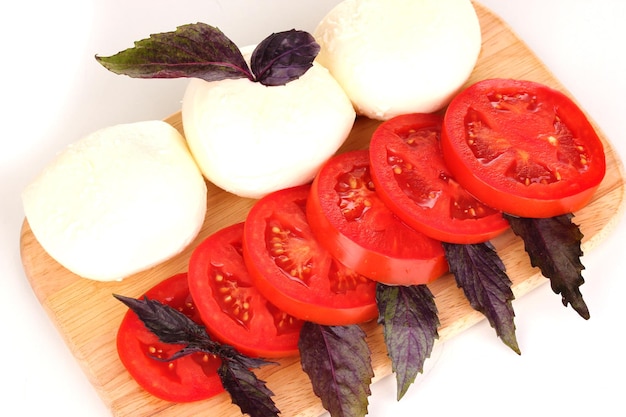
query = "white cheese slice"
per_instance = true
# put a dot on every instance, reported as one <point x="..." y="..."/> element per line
<point x="119" y="201"/>
<point x="250" y="139"/>
<point x="400" y="56"/>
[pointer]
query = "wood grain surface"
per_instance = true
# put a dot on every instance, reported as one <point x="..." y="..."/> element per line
<point x="87" y="315"/>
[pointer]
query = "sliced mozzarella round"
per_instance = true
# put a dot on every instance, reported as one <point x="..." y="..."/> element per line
<point x="250" y="139"/>
<point x="400" y="56"/>
<point x="119" y="201"/>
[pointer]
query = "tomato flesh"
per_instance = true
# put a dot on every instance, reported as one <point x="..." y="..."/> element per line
<point x="523" y="148"/>
<point x="358" y="229"/>
<point x="189" y="378"/>
<point x="413" y="180"/>
<point x="233" y="310"/>
<point x="290" y="267"/>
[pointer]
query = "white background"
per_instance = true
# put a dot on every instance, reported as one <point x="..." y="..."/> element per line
<point x="53" y="92"/>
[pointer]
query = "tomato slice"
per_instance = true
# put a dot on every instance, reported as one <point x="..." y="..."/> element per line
<point x="233" y="310"/>
<point x="358" y="229"/>
<point x="291" y="268"/>
<point x="413" y="180"/>
<point x="190" y="378"/>
<point x="523" y="148"/>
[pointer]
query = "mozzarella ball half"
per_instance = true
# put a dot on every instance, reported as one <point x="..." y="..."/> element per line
<point x="119" y="201"/>
<point x="395" y="57"/>
<point x="250" y="139"/>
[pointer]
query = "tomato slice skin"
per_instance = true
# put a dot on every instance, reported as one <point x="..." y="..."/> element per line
<point x="413" y="180"/>
<point x="351" y="221"/>
<point x="290" y="267"/>
<point x="233" y="310"/>
<point x="523" y="148"/>
<point x="190" y="378"/>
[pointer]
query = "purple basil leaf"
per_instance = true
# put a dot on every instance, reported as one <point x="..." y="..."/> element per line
<point x="480" y="272"/>
<point x="167" y="323"/>
<point x="410" y="321"/>
<point x="337" y="360"/>
<point x="172" y="326"/>
<point x="194" y="50"/>
<point x="283" y="57"/>
<point x="246" y="390"/>
<point x="553" y="245"/>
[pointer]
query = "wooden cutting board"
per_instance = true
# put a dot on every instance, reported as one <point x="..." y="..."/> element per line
<point x="87" y="315"/>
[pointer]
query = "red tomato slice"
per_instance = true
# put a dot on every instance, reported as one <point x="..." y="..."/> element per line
<point x="233" y="310"/>
<point x="523" y="148"/>
<point x="358" y="229"/>
<point x="190" y="378"/>
<point x="291" y="268"/>
<point x="413" y="180"/>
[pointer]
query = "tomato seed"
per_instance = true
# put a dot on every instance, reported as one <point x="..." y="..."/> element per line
<point x="553" y="141"/>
